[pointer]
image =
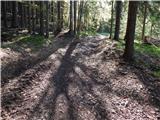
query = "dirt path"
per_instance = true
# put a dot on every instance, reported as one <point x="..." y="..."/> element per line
<point x="85" y="80"/>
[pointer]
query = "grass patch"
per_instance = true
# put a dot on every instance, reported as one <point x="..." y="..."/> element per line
<point x="34" y="43"/>
<point x="156" y="73"/>
<point x="87" y="33"/>
<point x="150" y="50"/>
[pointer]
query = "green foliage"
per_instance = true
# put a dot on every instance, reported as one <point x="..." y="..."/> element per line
<point x="145" y="49"/>
<point x="156" y="73"/>
<point x="36" y="40"/>
<point x="32" y="42"/>
<point x="148" y="49"/>
<point x="87" y="33"/>
<point x="104" y="27"/>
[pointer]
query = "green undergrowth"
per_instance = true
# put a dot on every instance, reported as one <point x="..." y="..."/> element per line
<point x="156" y="73"/>
<point x="32" y="42"/>
<point x="149" y="51"/>
<point x="87" y="33"/>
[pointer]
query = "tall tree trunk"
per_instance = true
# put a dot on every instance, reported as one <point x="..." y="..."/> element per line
<point x="75" y="17"/>
<point x="47" y="19"/>
<point x="58" y="17"/>
<point x="41" y="18"/>
<point x="144" y="19"/>
<point x="151" y="29"/>
<point x="21" y="14"/>
<point x="118" y="17"/>
<point x="71" y="18"/>
<point x="111" y="21"/>
<point x="54" y="18"/>
<point x="4" y="13"/>
<point x="29" y="17"/>
<point x="25" y="15"/>
<point x="51" y="10"/>
<point x="37" y="16"/>
<point x="62" y="10"/>
<point x="14" y="14"/>
<point x="33" y="18"/>
<point x="131" y="23"/>
<point x="80" y="16"/>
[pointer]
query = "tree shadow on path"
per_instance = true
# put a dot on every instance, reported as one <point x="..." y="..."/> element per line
<point x="60" y="83"/>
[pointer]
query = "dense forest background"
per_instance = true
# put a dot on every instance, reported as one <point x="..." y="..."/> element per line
<point x="53" y="16"/>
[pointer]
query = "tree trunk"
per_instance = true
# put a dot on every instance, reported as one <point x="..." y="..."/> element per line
<point x="111" y="21"/>
<point x="33" y="18"/>
<point x="71" y="18"/>
<point x="58" y="17"/>
<point x="25" y="16"/>
<point x="144" y="20"/>
<point x="14" y="14"/>
<point x="37" y="17"/>
<point x="80" y="16"/>
<point x="151" y="29"/>
<point x="75" y="17"/>
<point x="4" y="11"/>
<point x="131" y="23"/>
<point x="51" y="10"/>
<point x="54" y="16"/>
<point x="29" y="17"/>
<point x="41" y="18"/>
<point x="62" y="10"/>
<point x="47" y="19"/>
<point x="20" y="15"/>
<point x="118" y="17"/>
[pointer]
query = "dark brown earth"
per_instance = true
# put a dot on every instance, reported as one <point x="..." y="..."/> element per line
<point x="83" y="80"/>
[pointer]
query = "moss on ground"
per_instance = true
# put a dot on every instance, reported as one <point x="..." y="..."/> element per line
<point x="34" y="42"/>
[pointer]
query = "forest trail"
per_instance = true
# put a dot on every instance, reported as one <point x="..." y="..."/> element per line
<point x="84" y="80"/>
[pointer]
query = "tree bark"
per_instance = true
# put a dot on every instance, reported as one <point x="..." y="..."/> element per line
<point x="80" y="16"/>
<point x="25" y="15"/>
<point x="14" y="14"/>
<point x="144" y="19"/>
<point x="118" y="17"/>
<point x="130" y="32"/>
<point x="37" y="17"/>
<point x="4" y="11"/>
<point x="151" y="29"/>
<point x="29" y="17"/>
<point x="20" y="15"/>
<point x="62" y="10"/>
<point x="71" y="18"/>
<point x="58" y="17"/>
<point x="111" y="21"/>
<point x="75" y="17"/>
<point x="47" y="19"/>
<point x="41" y="18"/>
<point x="33" y="18"/>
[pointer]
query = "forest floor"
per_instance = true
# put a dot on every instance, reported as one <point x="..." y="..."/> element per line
<point x="82" y="79"/>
